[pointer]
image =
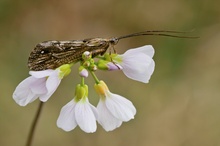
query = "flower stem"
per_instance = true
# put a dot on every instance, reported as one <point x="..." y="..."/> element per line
<point x="82" y="81"/>
<point x="94" y="77"/>
<point x="34" y="124"/>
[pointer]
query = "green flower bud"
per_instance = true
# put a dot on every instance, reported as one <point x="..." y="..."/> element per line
<point x="102" y="64"/>
<point x="86" y="55"/>
<point x="64" y="70"/>
<point x="101" y="88"/>
<point x="81" y="92"/>
<point x="93" y="67"/>
<point x="86" y="64"/>
<point x="83" y="72"/>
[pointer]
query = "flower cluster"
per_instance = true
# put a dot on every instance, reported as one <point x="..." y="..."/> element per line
<point x="112" y="109"/>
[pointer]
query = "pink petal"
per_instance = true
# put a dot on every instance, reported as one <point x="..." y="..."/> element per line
<point x="84" y="73"/>
<point x="113" y="66"/>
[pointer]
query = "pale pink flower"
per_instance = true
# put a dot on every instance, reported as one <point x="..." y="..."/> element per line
<point x="113" y="109"/>
<point x="41" y="84"/>
<point x="137" y="63"/>
<point x="78" y="112"/>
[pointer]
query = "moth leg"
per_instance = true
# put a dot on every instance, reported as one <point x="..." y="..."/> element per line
<point x="112" y="47"/>
<point x="115" y="52"/>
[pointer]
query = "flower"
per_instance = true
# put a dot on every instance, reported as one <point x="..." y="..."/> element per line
<point x="137" y="63"/>
<point x="40" y="84"/>
<point x="113" y="109"/>
<point x="78" y="112"/>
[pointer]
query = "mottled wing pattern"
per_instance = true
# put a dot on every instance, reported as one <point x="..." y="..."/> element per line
<point x="52" y="54"/>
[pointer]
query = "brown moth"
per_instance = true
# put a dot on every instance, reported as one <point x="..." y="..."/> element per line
<point x="52" y="54"/>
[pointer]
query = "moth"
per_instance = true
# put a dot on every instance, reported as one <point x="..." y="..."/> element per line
<point x="52" y="54"/>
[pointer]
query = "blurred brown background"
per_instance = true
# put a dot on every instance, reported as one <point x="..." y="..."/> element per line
<point x="179" y="107"/>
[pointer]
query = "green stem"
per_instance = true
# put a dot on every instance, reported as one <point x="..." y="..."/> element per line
<point x="82" y="81"/>
<point x="34" y="124"/>
<point x="94" y="77"/>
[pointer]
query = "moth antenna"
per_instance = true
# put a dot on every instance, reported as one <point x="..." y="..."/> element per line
<point x="168" y="33"/>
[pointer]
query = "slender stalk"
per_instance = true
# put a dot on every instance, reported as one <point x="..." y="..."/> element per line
<point x="82" y="81"/>
<point x="94" y="77"/>
<point x="34" y="124"/>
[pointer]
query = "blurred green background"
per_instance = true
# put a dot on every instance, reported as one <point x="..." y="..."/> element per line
<point x="179" y="107"/>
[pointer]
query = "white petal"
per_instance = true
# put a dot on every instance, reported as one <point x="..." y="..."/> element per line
<point x="120" y="107"/>
<point x="150" y="71"/>
<point x="106" y="119"/>
<point x="138" y="64"/>
<point x="147" y="50"/>
<point x="66" y="119"/>
<point x="85" y="117"/>
<point x="136" y="67"/>
<point x="53" y="81"/>
<point x="94" y="110"/>
<point x="39" y="86"/>
<point x="23" y="94"/>
<point x="41" y="74"/>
